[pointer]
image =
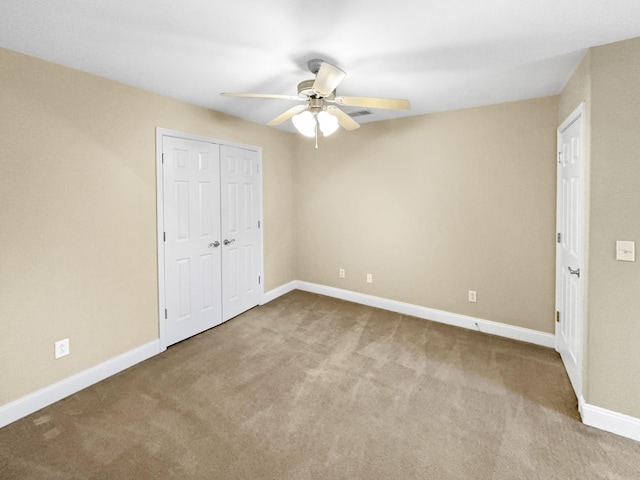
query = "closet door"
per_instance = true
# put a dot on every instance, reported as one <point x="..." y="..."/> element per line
<point x="240" y="215"/>
<point x="192" y="248"/>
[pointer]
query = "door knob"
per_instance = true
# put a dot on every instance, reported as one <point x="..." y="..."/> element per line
<point x="227" y="242"/>
<point x="574" y="272"/>
<point x="214" y="244"/>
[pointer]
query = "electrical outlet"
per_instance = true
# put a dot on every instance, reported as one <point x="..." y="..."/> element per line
<point x="472" y="296"/>
<point x="62" y="348"/>
<point x="342" y="273"/>
<point x="369" y="278"/>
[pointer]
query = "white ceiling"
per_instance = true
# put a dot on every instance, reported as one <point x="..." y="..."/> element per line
<point x="439" y="54"/>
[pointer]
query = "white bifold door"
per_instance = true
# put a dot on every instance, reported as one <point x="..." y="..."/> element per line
<point x="211" y="205"/>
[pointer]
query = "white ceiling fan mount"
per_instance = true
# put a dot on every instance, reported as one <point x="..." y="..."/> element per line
<point x="314" y="65"/>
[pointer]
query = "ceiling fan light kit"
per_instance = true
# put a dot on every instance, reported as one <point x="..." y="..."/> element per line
<point x="314" y="117"/>
<point x="307" y="123"/>
<point x="319" y="112"/>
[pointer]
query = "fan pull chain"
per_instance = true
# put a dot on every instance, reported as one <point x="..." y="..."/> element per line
<point x="316" y="118"/>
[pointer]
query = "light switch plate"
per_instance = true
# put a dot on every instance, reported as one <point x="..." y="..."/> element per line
<point x="625" y="251"/>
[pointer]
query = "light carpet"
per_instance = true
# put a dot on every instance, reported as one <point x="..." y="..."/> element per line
<point x="310" y="387"/>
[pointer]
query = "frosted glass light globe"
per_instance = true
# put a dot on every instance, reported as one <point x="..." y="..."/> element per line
<point x="305" y="123"/>
<point x="328" y="123"/>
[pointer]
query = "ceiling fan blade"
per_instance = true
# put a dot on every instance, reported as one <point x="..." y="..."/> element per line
<point x="288" y="114"/>
<point x="327" y="79"/>
<point x="390" y="103"/>
<point x="344" y="120"/>
<point x="261" y="95"/>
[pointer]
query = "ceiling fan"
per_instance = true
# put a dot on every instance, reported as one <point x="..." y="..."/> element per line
<point x="319" y="110"/>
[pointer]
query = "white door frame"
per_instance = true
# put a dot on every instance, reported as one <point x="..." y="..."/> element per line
<point x="576" y="116"/>
<point x="160" y="132"/>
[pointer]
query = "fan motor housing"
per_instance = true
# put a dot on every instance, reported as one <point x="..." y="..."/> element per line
<point x="305" y="90"/>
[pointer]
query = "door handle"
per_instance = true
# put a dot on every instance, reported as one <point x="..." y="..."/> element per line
<point x="227" y="242"/>
<point x="215" y="244"/>
<point x="574" y="272"/>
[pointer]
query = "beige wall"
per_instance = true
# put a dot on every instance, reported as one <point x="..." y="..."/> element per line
<point x="78" y="215"/>
<point x="577" y="89"/>
<point x="614" y="291"/>
<point x="434" y="206"/>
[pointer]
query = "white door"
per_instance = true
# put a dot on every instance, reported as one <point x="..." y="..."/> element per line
<point x="240" y="172"/>
<point x="192" y="247"/>
<point x="569" y="247"/>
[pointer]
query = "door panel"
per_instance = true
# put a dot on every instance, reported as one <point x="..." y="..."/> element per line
<point x="569" y="254"/>
<point x="191" y="184"/>
<point x="240" y="177"/>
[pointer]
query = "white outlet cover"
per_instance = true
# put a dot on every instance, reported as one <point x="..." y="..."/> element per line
<point x="625" y="251"/>
<point x="61" y="348"/>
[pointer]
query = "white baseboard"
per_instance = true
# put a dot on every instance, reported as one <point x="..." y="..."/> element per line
<point x="39" y="399"/>
<point x="455" y="319"/>
<point x="610" y="421"/>
<point x="278" y="292"/>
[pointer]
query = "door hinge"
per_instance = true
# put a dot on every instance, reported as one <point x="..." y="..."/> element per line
<point x="164" y="236"/>
<point x="259" y="280"/>
<point x="558" y="317"/>
<point x="559" y="157"/>
<point x="163" y="158"/>
<point x="258" y="168"/>
<point x="165" y="313"/>
<point x="258" y="223"/>
<point x="559" y="238"/>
